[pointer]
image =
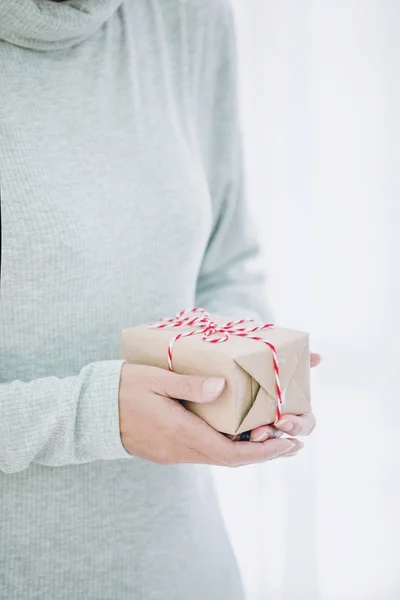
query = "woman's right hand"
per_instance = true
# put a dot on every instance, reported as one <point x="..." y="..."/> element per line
<point x="156" y="427"/>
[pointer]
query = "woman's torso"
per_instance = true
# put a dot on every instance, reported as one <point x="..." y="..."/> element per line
<point x="105" y="217"/>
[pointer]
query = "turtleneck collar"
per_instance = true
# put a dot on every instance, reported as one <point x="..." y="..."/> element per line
<point x="48" y="25"/>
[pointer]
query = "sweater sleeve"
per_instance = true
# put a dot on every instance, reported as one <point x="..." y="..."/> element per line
<point x="231" y="281"/>
<point x="56" y="422"/>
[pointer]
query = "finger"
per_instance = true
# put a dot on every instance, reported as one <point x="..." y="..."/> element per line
<point x="297" y="425"/>
<point x="260" y="434"/>
<point x="188" y="387"/>
<point x="217" y="449"/>
<point x="250" y="453"/>
<point x="290" y="454"/>
<point x="267" y="432"/>
<point x="315" y="359"/>
<point x="295" y="450"/>
<point x="298" y="445"/>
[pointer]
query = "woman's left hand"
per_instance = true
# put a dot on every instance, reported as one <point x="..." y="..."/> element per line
<point x="294" y="425"/>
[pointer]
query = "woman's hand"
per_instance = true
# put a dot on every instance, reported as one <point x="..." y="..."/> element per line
<point x="294" y="425"/>
<point x="156" y="427"/>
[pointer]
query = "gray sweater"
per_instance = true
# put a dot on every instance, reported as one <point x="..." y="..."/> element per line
<point x="121" y="197"/>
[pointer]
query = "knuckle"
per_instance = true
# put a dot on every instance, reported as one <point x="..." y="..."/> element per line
<point x="187" y="387"/>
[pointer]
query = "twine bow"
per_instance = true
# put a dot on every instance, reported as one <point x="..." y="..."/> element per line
<point x="213" y="333"/>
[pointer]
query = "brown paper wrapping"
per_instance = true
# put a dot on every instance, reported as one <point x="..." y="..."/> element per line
<point x="249" y="399"/>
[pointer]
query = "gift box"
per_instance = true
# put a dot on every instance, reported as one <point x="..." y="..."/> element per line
<point x="266" y="368"/>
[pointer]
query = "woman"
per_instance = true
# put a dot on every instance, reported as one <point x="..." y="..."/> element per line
<point x="121" y="190"/>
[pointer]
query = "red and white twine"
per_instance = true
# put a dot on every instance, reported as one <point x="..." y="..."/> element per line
<point x="216" y="334"/>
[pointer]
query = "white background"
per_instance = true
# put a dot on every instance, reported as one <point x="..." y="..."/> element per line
<point x="320" y="94"/>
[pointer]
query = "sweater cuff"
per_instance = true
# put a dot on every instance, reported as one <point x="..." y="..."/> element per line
<point x="98" y="417"/>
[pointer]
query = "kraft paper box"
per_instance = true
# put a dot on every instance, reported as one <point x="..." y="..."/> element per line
<point x="249" y="399"/>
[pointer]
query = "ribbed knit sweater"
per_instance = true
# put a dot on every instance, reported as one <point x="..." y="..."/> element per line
<point x="121" y="198"/>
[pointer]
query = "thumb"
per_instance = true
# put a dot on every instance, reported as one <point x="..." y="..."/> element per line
<point x="193" y="388"/>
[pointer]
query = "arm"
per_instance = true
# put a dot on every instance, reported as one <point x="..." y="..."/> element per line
<point x="56" y="422"/>
<point x="231" y="282"/>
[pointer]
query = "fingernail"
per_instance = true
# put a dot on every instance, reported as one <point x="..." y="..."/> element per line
<point x="285" y="426"/>
<point x="260" y="438"/>
<point x="277" y="433"/>
<point x="213" y="386"/>
<point x="289" y="446"/>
